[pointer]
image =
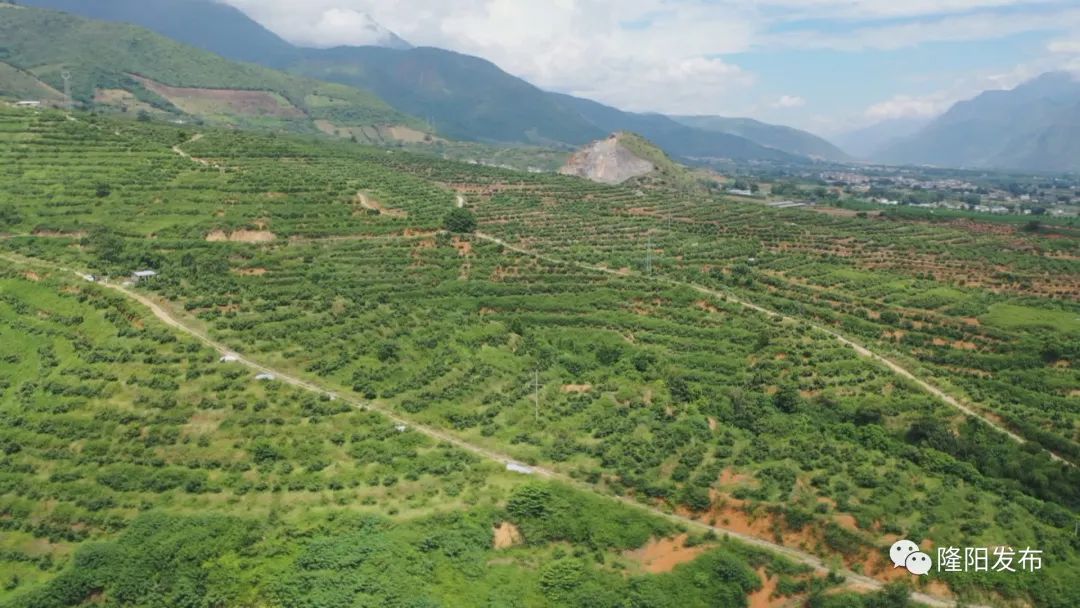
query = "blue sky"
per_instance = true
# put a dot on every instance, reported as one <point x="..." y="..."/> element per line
<point x="825" y="65"/>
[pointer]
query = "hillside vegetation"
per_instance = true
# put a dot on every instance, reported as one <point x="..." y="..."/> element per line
<point x="553" y="336"/>
<point x="162" y="75"/>
<point x="142" y="469"/>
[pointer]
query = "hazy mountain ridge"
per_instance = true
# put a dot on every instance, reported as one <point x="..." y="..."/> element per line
<point x="786" y="139"/>
<point x="464" y="97"/>
<point x="866" y="142"/>
<point x="677" y="139"/>
<point x="1031" y="127"/>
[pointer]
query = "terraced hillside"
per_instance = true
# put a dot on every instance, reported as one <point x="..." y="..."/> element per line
<point x="126" y="68"/>
<point x="569" y="347"/>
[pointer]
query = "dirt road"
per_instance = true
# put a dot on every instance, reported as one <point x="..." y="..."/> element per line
<point x="166" y="314"/>
<point x="860" y="349"/>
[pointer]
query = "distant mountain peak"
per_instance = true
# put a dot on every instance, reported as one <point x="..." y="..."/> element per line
<point x="1032" y="127"/>
<point x="347" y="27"/>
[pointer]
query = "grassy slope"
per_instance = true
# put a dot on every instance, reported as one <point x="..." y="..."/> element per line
<point x="19" y="84"/>
<point x="100" y="54"/>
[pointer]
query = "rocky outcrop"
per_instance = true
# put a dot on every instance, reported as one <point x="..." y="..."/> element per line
<point x="608" y="161"/>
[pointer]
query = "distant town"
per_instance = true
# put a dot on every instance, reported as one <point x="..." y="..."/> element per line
<point x="867" y="187"/>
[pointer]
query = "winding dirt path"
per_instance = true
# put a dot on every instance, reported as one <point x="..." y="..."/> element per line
<point x="167" y="315"/>
<point x="202" y="161"/>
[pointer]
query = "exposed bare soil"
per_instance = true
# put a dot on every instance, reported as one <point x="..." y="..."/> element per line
<point x="224" y="101"/>
<point x="241" y="236"/>
<point x="663" y="554"/>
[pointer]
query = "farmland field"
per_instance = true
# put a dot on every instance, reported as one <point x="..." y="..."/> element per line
<point x="714" y="362"/>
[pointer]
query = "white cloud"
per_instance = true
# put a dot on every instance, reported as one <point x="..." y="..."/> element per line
<point x="904" y="106"/>
<point x="789" y="101"/>
<point x="646" y="55"/>
<point x="907" y="34"/>
<point x="1068" y="46"/>
<point x="936" y="103"/>
<point x="891" y="9"/>
<point x="339" y="26"/>
<point x="665" y="55"/>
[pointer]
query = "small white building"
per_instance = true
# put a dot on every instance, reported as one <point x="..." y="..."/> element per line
<point x="401" y="428"/>
<point x="228" y="359"/>
<point x="142" y="275"/>
<point x="265" y="377"/>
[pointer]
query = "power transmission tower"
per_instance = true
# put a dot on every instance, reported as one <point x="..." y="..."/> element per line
<point x="68" y="103"/>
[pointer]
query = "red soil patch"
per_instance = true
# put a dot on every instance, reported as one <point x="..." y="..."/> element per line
<point x="729" y="476"/>
<point x="706" y="306"/>
<point x="763" y="598"/>
<point x="463" y="247"/>
<point x="846" y="520"/>
<point x="30" y="275"/>
<point x="736" y="515"/>
<point x="663" y="554"/>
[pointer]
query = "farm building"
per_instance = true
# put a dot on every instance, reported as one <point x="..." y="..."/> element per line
<point x="142" y="275"/>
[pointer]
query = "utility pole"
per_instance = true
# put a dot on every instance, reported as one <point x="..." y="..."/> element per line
<point x="648" y="255"/>
<point x="536" y="395"/>
<point x="68" y="102"/>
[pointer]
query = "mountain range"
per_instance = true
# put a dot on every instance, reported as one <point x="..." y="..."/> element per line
<point x="866" y="142"/>
<point x="460" y="96"/>
<point x="1033" y="127"/>
<point x="391" y="83"/>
